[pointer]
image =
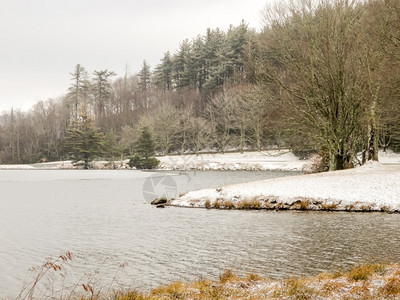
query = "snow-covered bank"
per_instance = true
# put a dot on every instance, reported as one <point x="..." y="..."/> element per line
<point x="372" y="187"/>
<point x="283" y="160"/>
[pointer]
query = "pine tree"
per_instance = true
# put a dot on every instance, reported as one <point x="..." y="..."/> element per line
<point x="144" y="149"/>
<point x="101" y="91"/>
<point x="84" y="141"/>
<point x="163" y="73"/>
<point x="145" y="145"/>
<point x="79" y="89"/>
<point x="144" y="83"/>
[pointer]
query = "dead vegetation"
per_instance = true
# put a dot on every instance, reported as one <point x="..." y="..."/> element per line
<point x="369" y="281"/>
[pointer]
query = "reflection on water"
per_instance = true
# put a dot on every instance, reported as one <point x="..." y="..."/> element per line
<point x="102" y="218"/>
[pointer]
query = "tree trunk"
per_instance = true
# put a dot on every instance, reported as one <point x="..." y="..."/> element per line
<point x="336" y="161"/>
<point x="373" y="136"/>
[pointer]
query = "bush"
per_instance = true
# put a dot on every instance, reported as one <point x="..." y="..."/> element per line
<point x="143" y="163"/>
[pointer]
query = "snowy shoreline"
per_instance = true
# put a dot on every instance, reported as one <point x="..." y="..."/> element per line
<point x="282" y="160"/>
<point x="372" y="187"/>
<point x="269" y="160"/>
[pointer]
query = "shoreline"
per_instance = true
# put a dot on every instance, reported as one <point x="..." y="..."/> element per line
<point x="372" y="187"/>
<point x="279" y="160"/>
<point x="268" y="160"/>
<point x="369" y="281"/>
<point x="365" y="281"/>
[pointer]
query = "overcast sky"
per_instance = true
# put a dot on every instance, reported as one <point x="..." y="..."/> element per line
<point x="42" y="40"/>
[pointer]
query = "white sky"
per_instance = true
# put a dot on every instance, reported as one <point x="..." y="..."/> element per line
<point x="42" y="40"/>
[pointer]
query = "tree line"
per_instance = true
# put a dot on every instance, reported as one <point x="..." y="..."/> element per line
<point x="320" y="76"/>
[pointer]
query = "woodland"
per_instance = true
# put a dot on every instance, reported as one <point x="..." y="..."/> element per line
<point x="321" y="76"/>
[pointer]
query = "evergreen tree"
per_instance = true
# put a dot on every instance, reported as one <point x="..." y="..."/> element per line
<point x="144" y="82"/>
<point x="144" y="148"/>
<point x="101" y="91"/>
<point x="163" y="73"/>
<point x="145" y="145"/>
<point x="79" y="89"/>
<point x="184" y="73"/>
<point x="84" y="141"/>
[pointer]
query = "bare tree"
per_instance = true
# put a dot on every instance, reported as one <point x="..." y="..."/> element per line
<point x="310" y="50"/>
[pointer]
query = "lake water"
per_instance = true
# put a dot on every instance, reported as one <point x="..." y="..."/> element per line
<point x="104" y="219"/>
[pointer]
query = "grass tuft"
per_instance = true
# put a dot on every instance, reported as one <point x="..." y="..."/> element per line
<point x="226" y="276"/>
<point x="217" y="204"/>
<point x="329" y="207"/>
<point x="297" y="289"/>
<point x="392" y="287"/>
<point x="176" y="290"/>
<point x="302" y="204"/>
<point x="254" y="277"/>
<point x="365" y="271"/>
<point x="207" y="204"/>
<point x="228" y="204"/>
<point x="249" y="204"/>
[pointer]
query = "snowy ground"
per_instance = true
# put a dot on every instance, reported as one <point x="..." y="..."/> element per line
<point x="372" y="187"/>
<point x="266" y="160"/>
<point x="15" y="167"/>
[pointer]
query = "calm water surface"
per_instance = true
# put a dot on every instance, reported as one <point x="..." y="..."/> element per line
<point x="103" y="218"/>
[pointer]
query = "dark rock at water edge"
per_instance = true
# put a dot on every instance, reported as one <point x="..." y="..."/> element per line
<point x="161" y="200"/>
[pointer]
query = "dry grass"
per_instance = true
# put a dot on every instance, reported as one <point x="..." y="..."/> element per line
<point x="365" y="271"/>
<point x="349" y="207"/>
<point x="303" y="204"/>
<point x="254" y="277"/>
<point x="217" y="204"/>
<point x="296" y="287"/>
<point x="228" y="204"/>
<point x="369" y="281"/>
<point x="366" y="207"/>
<point x="226" y="276"/>
<point x="329" y="206"/>
<point x="391" y="288"/>
<point x="249" y="204"/>
<point x="176" y="290"/>
<point x="207" y="204"/>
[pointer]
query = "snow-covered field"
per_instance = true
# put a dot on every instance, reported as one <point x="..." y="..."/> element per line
<point x="266" y="160"/>
<point x="373" y="186"/>
<point x="282" y="159"/>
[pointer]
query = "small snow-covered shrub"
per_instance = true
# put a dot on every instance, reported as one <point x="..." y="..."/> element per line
<point x="319" y="163"/>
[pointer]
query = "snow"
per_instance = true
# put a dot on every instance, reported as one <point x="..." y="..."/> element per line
<point x="266" y="160"/>
<point x="15" y="167"/>
<point x="373" y="186"/>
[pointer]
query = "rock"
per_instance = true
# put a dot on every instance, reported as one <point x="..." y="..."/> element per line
<point x="160" y="206"/>
<point x="161" y="200"/>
